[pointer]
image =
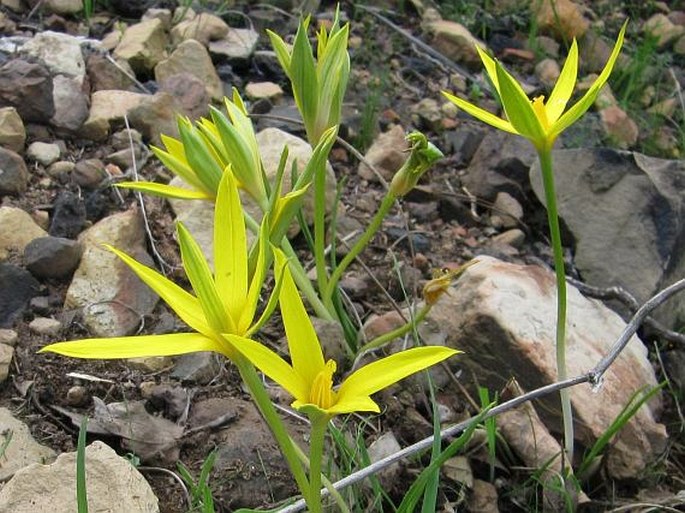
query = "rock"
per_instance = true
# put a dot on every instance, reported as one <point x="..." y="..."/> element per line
<point x="514" y="238"/>
<point x="626" y="214"/>
<point x="52" y="257"/>
<point x="203" y="28"/>
<point x="271" y="142"/>
<point x="64" y="6"/>
<point x="561" y="18"/>
<point x="483" y="498"/>
<point x="112" y="297"/>
<point x="114" y="485"/>
<point x="22" y="450"/>
<point x="164" y="15"/>
<point x="619" y="128"/>
<point x="199" y="368"/>
<point x="6" y="354"/>
<point x="156" y="115"/>
<point x="236" y="47"/>
<point x="107" y="111"/>
<point x="663" y="29"/>
<point x="43" y="153"/>
<point x="68" y="216"/>
<point x="14" y="176"/>
<point x="190" y="94"/>
<point x="458" y="470"/>
<point x="192" y="57"/>
<point x="332" y="338"/>
<point x="503" y="317"/>
<point x="507" y="212"/>
<point x="61" y="53"/>
<point x="456" y="42"/>
<point x="387" y="154"/>
<point x="263" y="90"/>
<point x="18" y="287"/>
<point x="71" y="103"/>
<point x="18" y="230"/>
<point x="665" y="108"/>
<point x="8" y="337"/>
<point x="12" y="132"/>
<point x="27" y="87"/>
<point x="89" y="173"/>
<point x="679" y="46"/>
<point x="594" y="52"/>
<point x="427" y="114"/>
<point x="143" y="45"/>
<point x="385" y="445"/>
<point x="198" y="218"/>
<point x="104" y="74"/>
<point x="547" y="71"/>
<point x="45" y="326"/>
<point x="150" y="363"/>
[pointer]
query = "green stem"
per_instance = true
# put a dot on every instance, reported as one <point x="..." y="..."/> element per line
<point x="359" y="246"/>
<point x="545" y="156"/>
<point x="261" y="398"/>
<point x="397" y="332"/>
<point x="316" y="445"/>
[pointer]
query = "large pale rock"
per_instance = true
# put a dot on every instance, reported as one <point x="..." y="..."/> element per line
<point x="155" y="115"/>
<point x="236" y="47"/>
<point x="562" y="18"/>
<point x="64" y="6"/>
<point x="456" y="42"/>
<point x="6" y="355"/>
<point x="626" y="213"/>
<point x="112" y="297"/>
<point x="503" y="317"/>
<point x="192" y="57"/>
<point x="22" y="449"/>
<point x="12" y="132"/>
<point x="71" y="102"/>
<point x="61" y="53"/>
<point x="107" y="110"/>
<point x="204" y="27"/>
<point x="17" y="229"/>
<point x="114" y="486"/>
<point x="386" y="154"/>
<point x="143" y="45"/>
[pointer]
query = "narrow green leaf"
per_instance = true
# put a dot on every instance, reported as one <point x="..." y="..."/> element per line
<point x="482" y="114"/>
<point x="181" y="168"/>
<point x="200" y="158"/>
<point x="165" y="191"/>
<point x="81" y="488"/>
<point x="304" y="80"/>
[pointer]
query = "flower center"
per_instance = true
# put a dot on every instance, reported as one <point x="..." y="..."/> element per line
<point x="541" y="111"/>
<point x="321" y="393"/>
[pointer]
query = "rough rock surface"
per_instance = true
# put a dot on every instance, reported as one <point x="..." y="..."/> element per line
<point x="22" y="449"/>
<point x="18" y="229"/>
<point x="112" y="297"/>
<point x="386" y="154"/>
<point x="192" y="57"/>
<point x="114" y="486"/>
<point x="503" y="317"/>
<point x="18" y="287"/>
<point x="14" y="176"/>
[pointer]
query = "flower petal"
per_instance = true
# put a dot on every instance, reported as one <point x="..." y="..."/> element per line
<point x="136" y="347"/>
<point x="350" y="404"/>
<point x="186" y="306"/>
<point x="272" y="365"/>
<point x="230" y="247"/>
<point x="563" y="89"/>
<point x="165" y="191"/>
<point x="582" y="105"/>
<point x="482" y="114"/>
<point x="519" y="110"/>
<point x="490" y="67"/>
<point x="382" y="373"/>
<point x="303" y="344"/>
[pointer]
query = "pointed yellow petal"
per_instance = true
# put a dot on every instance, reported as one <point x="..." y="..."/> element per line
<point x="165" y="191"/>
<point x="518" y="107"/>
<point x="582" y="105"/>
<point x="351" y="404"/>
<point x="136" y="347"/>
<point x="251" y="298"/>
<point x="201" y="279"/>
<point x="230" y="247"/>
<point x="281" y="262"/>
<point x="272" y="365"/>
<point x="382" y="373"/>
<point x="563" y="89"/>
<point x="303" y="344"/>
<point x="490" y="67"/>
<point x="186" y="306"/>
<point x="482" y="114"/>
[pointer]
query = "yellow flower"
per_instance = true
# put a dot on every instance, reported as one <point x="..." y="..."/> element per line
<point x="539" y="121"/>
<point x="309" y="379"/>
<point x="225" y="302"/>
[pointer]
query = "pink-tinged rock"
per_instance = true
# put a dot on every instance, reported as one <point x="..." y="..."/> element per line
<point x="113" y="299"/>
<point x="503" y="317"/>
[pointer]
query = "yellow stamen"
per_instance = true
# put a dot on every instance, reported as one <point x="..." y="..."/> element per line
<point x="541" y="111"/>
<point x="321" y="393"/>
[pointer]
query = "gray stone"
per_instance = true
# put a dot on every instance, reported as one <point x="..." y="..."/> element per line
<point x="104" y="74"/>
<point x="61" y="170"/>
<point x="60" y="52"/>
<point x="12" y="132"/>
<point x="6" y="354"/>
<point x="199" y="368"/>
<point x="113" y="298"/>
<point x="204" y="27"/>
<point x="236" y="47"/>
<point x="89" y="173"/>
<point x="52" y="257"/>
<point x="22" y="449"/>
<point x="8" y="337"/>
<point x="190" y="94"/>
<point x="626" y="212"/>
<point x="43" y="153"/>
<point x="68" y="215"/>
<point x="456" y="42"/>
<point x="64" y="6"/>
<point x="27" y="87"/>
<point x="192" y="57"/>
<point x="45" y="326"/>
<point x="18" y="287"/>
<point x="71" y="103"/>
<point x="263" y="90"/>
<point x="14" y="176"/>
<point x="107" y="109"/>
<point x="143" y="45"/>
<point x="156" y="115"/>
<point x="386" y="154"/>
<point x="507" y="212"/>
<point x="17" y="229"/>
<point x="503" y="317"/>
<point x="385" y="445"/>
<point x="114" y="485"/>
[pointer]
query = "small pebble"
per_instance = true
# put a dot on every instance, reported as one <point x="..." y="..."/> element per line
<point x="45" y="326"/>
<point x="77" y="395"/>
<point x="8" y="337"/>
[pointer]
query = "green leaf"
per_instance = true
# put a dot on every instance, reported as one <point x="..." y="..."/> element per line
<point x="304" y="80"/>
<point x="81" y="488"/>
<point x="182" y="169"/>
<point x="165" y="191"/>
<point x="200" y="157"/>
